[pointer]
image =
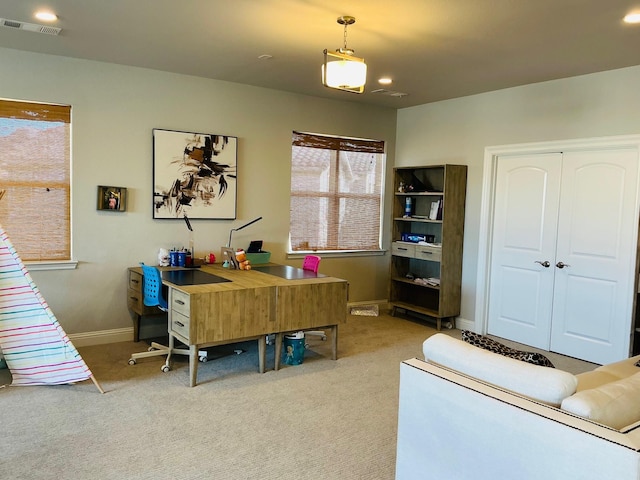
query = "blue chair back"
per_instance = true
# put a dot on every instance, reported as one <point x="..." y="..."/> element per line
<point x="152" y="287"/>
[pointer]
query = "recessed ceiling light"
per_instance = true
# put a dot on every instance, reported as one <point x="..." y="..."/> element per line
<point x="385" y="81"/>
<point x="46" y="16"/>
<point x="632" y="18"/>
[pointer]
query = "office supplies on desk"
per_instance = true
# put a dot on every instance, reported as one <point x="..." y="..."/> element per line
<point x="255" y="246"/>
<point x="256" y="255"/>
<point x="228" y="257"/>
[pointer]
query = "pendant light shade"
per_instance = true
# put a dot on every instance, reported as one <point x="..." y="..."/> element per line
<point x="341" y="69"/>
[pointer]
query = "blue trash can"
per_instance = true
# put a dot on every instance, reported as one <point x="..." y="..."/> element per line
<point x="293" y="349"/>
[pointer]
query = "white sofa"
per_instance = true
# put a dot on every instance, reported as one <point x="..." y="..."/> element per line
<point x="467" y="413"/>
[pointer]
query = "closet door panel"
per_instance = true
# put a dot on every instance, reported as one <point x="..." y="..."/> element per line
<point x="592" y="299"/>
<point x="524" y="236"/>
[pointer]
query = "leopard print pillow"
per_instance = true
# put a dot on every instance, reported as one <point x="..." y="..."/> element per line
<point x="496" y="347"/>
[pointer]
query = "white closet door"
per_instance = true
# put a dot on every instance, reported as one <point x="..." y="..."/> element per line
<point x="524" y="241"/>
<point x="592" y="300"/>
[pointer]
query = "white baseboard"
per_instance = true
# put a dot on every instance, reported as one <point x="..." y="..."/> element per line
<point x="464" y="324"/>
<point x="101" y="337"/>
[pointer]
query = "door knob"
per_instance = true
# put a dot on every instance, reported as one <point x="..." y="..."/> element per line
<point x="562" y="265"/>
<point x="545" y="264"/>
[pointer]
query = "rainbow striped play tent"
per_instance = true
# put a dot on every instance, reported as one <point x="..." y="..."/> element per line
<point x="34" y="345"/>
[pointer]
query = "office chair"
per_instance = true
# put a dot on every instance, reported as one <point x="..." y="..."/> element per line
<point x="153" y="297"/>
<point x="312" y="263"/>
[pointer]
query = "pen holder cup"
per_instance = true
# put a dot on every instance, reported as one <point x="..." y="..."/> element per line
<point x="173" y="258"/>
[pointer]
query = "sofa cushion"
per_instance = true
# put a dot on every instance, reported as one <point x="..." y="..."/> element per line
<point x="616" y="404"/>
<point x="497" y="347"/>
<point x="594" y="379"/>
<point x="546" y="385"/>
<point x="608" y="373"/>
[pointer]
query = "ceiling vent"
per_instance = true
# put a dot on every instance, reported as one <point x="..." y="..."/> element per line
<point x="389" y="93"/>
<point x="29" y="27"/>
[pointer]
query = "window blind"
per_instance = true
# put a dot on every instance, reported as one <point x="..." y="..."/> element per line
<point x="35" y="176"/>
<point x="336" y="193"/>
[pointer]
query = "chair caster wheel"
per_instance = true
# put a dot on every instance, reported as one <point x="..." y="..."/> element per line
<point x="150" y="349"/>
<point x="165" y="368"/>
<point x="203" y="359"/>
<point x="132" y="361"/>
<point x="324" y="338"/>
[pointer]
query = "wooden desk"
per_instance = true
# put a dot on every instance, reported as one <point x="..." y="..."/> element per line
<point x="250" y="306"/>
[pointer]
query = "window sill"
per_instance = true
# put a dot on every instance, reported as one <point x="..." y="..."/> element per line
<point x="334" y="254"/>
<point x="53" y="265"/>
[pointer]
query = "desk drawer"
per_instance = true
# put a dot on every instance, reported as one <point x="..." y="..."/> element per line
<point x="135" y="281"/>
<point x="135" y="301"/>
<point x="180" y="302"/>
<point x="180" y="324"/>
<point x="401" y="249"/>
<point x="428" y="253"/>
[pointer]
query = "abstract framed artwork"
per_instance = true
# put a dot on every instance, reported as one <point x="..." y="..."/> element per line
<point x="194" y="174"/>
<point x="113" y="199"/>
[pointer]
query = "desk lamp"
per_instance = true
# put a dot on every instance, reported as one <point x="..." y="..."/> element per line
<point x="240" y="228"/>
<point x="226" y="262"/>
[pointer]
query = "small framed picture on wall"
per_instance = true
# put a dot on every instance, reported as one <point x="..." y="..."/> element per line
<point x="112" y="198"/>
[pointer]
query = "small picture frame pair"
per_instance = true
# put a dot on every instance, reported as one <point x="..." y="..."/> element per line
<point x="229" y="256"/>
<point x="113" y="199"/>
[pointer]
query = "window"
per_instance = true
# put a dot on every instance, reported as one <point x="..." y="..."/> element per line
<point x="336" y="193"/>
<point x="35" y="178"/>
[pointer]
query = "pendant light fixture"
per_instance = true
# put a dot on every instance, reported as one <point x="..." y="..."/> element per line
<point x="341" y="69"/>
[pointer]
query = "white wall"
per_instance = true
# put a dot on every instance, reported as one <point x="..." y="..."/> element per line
<point x="114" y="109"/>
<point x="458" y="130"/>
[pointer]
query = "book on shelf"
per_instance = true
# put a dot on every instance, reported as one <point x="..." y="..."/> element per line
<point x="431" y="281"/>
<point x="435" y="209"/>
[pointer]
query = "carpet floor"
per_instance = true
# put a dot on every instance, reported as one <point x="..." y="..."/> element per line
<point x="322" y="419"/>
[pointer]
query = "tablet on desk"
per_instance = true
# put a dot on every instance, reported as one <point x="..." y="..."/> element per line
<point x="191" y="277"/>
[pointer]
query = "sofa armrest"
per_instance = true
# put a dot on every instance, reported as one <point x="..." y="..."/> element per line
<point x="454" y="426"/>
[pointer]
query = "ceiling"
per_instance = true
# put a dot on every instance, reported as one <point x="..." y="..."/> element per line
<point x="433" y="49"/>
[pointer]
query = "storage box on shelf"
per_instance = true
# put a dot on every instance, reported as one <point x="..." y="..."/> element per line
<point x="426" y="253"/>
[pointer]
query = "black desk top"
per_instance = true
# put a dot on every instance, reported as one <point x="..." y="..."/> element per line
<point x="287" y="272"/>
<point x="191" y="277"/>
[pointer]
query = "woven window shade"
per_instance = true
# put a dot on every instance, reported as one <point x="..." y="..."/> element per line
<point x="35" y="176"/>
<point x="336" y="193"/>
